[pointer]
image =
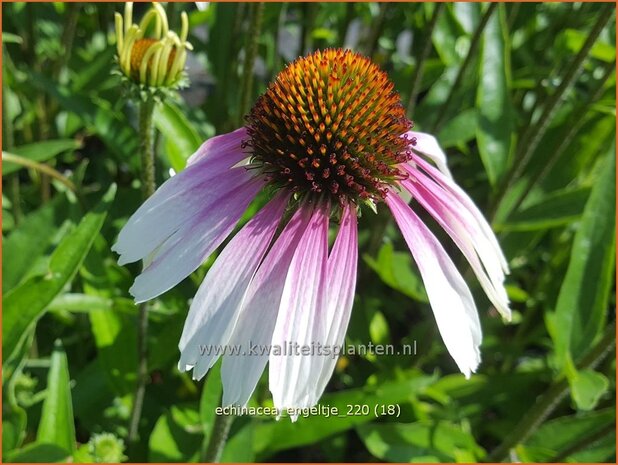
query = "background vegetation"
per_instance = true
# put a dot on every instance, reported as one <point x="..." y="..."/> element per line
<point x="522" y="96"/>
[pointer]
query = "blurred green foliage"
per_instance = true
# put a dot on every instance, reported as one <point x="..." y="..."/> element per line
<point x="522" y="96"/>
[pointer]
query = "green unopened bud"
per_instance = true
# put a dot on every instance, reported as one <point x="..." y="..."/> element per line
<point x="157" y="60"/>
<point x="106" y="448"/>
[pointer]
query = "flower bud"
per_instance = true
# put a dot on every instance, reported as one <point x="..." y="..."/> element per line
<point x="156" y="60"/>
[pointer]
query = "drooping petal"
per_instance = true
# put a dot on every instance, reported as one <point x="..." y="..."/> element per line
<point x="177" y="200"/>
<point x="450" y="298"/>
<point x="465" y="232"/>
<point x="188" y="247"/>
<point x="466" y="202"/>
<point x="223" y="147"/>
<point x="428" y="146"/>
<point x="253" y="333"/>
<point x="301" y="323"/>
<point x="342" y="264"/>
<point x="217" y="304"/>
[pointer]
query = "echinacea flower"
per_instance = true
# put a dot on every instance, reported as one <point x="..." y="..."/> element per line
<point x="149" y="53"/>
<point x="328" y="137"/>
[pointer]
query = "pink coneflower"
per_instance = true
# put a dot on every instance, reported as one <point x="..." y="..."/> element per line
<point x="328" y="137"/>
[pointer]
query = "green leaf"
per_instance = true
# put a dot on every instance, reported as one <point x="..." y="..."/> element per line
<point x="13" y="426"/>
<point x="26" y="243"/>
<point x="600" y="50"/>
<point x="239" y="447"/>
<point x="556" y="209"/>
<point x="38" y="453"/>
<point x="25" y="304"/>
<point x="8" y="38"/>
<point x="445" y="36"/>
<point x="39" y="152"/>
<point x="113" y="331"/>
<point x="275" y="436"/>
<point x="558" y="435"/>
<point x="56" y="425"/>
<point x="587" y="387"/>
<point x="396" y="269"/>
<point x="420" y="442"/>
<point x="493" y="100"/>
<point x="181" y="138"/>
<point x="582" y="306"/>
<point x="97" y="115"/>
<point x="461" y="129"/>
<point x="177" y="436"/>
<point x="85" y="303"/>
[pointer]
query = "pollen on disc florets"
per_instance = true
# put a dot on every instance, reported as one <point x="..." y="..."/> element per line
<point x="330" y="124"/>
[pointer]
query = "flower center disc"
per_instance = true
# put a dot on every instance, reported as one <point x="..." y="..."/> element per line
<point x="330" y="124"/>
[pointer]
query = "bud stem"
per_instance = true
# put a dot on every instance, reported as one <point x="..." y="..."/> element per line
<point x="146" y="131"/>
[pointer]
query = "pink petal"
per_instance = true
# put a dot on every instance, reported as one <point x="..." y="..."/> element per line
<point x="465" y="232"/>
<point x="226" y="148"/>
<point x="342" y="264"/>
<point x="241" y="372"/>
<point x="177" y="200"/>
<point x="301" y="319"/>
<point x="217" y="304"/>
<point x="466" y="202"/>
<point x="187" y="248"/>
<point x="450" y="298"/>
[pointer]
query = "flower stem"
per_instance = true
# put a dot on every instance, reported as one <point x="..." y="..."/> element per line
<point x="146" y="148"/>
<point x="256" y="15"/>
<point x="550" y="400"/>
<point x="146" y="131"/>
<point x="218" y="438"/>
<point x="474" y="44"/>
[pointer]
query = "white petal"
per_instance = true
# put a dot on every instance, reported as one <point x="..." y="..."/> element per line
<point x="450" y="298"/>
<point x="428" y="146"/>
<point x="189" y="246"/>
<point x="217" y="304"/>
<point x="300" y="323"/>
<point x="240" y="373"/>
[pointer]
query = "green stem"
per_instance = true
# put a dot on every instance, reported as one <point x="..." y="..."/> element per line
<point x="218" y="438"/>
<point x="551" y="399"/>
<point x="146" y="148"/>
<point x="529" y="144"/>
<point x="256" y="15"/>
<point x="565" y="142"/>
<point x="420" y="67"/>
<point x="585" y="442"/>
<point x="40" y="167"/>
<point x="474" y="44"/>
<point x="68" y="37"/>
